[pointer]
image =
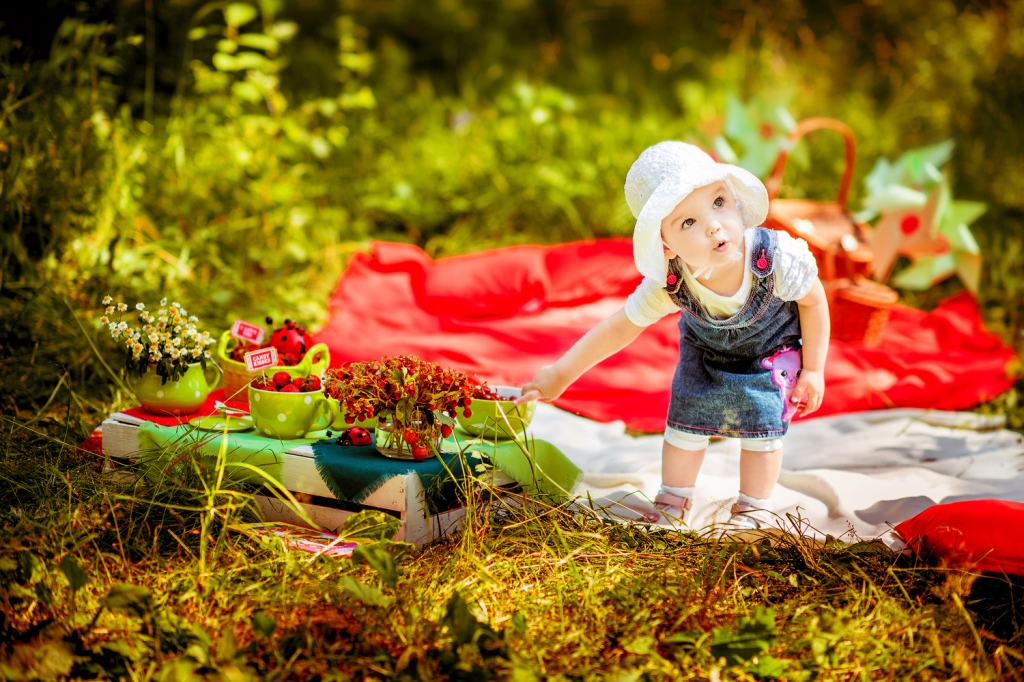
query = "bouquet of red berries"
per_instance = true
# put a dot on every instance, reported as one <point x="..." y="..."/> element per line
<point x="282" y="382"/>
<point x="410" y="393"/>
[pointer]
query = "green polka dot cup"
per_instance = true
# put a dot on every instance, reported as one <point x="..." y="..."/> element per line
<point x="286" y="416"/>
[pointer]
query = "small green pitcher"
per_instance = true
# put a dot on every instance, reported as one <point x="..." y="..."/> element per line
<point x="175" y="398"/>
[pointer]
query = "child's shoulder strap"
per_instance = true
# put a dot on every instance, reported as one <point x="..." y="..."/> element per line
<point x="762" y="256"/>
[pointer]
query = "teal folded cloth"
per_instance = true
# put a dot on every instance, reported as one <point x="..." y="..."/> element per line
<point x="161" y="447"/>
<point x="354" y="472"/>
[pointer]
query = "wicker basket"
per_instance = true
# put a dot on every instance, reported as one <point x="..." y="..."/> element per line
<point x="826" y="226"/>
<point x="237" y="377"/>
<point x="859" y="309"/>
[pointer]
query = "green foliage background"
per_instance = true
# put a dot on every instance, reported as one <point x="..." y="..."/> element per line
<point x="232" y="156"/>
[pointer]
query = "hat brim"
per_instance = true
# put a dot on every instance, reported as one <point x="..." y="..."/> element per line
<point x="648" y="253"/>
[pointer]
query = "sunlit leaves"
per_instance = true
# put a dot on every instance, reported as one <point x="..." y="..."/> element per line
<point x="369" y="524"/>
<point x="239" y="14"/>
<point x="749" y="637"/>
<point x="77" y="578"/>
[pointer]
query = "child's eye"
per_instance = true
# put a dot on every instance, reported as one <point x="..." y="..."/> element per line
<point x="719" y="202"/>
<point x="689" y="222"/>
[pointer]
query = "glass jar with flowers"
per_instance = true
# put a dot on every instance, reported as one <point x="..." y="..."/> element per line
<point x="415" y="402"/>
<point x="166" y="355"/>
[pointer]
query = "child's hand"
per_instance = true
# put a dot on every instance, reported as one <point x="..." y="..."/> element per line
<point x="546" y="385"/>
<point x="810" y="386"/>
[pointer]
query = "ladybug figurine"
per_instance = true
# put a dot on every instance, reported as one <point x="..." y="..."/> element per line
<point x="356" y="435"/>
<point x="290" y="340"/>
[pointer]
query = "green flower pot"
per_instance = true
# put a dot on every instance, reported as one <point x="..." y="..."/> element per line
<point x="487" y="420"/>
<point x="287" y="416"/>
<point x="175" y="398"/>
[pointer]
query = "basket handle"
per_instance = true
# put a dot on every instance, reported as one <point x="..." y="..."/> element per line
<point x="805" y="126"/>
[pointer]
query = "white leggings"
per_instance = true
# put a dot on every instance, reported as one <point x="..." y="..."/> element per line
<point x="691" y="441"/>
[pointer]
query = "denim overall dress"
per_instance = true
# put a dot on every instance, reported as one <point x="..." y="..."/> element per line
<point x="724" y="385"/>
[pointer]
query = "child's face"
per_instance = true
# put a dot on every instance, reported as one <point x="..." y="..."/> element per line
<point x="705" y="228"/>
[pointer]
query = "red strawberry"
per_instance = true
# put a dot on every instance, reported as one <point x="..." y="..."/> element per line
<point x="410" y="436"/>
<point x="445" y="430"/>
<point x="297" y="383"/>
<point x="420" y="452"/>
<point x="261" y="383"/>
<point x="282" y="378"/>
<point x="312" y="383"/>
<point x="289" y="388"/>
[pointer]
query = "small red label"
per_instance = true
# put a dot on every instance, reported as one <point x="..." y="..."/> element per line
<point x="253" y="333"/>
<point x="258" y="359"/>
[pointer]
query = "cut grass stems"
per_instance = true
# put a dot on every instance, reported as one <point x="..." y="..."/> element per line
<point x="109" y="577"/>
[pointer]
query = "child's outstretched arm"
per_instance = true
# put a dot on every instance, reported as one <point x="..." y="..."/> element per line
<point x="608" y="337"/>
<point x="814" y="327"/>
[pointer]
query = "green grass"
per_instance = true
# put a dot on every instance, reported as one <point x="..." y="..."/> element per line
<point x="524" y="593"/>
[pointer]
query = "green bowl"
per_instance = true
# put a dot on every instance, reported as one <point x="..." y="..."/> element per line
<point x="487" y="420"/>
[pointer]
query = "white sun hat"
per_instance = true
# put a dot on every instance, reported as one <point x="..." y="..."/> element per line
<point x="664" y="175"/>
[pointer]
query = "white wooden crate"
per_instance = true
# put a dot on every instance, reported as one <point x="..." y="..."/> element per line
<point x="401" y="496"/>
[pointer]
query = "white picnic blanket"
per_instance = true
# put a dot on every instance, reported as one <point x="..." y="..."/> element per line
<point x="852" y="476"/>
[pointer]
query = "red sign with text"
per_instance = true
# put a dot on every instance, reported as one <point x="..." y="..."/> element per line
<point x="256" y="360"/>
<point x="253" y="333"/>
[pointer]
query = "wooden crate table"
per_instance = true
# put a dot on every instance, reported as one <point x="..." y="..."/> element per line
<point x="402" y="495"/>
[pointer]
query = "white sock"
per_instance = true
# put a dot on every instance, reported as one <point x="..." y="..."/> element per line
<point x="686" y="492"/>
<point x="754" y="501"/>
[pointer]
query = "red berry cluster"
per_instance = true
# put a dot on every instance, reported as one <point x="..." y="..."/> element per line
<point x="481" y="391"/>
<point x="282" y="382"/>
<point x="398" y="384"/>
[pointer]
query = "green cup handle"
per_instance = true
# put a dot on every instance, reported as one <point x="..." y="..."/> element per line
<point x="325" y="407"/>
<point x="219" y="379"/>
<point x="222" y="345"/>
<point x="319" y="357"/>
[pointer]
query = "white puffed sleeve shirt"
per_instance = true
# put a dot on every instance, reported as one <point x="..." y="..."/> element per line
<point x="795" y="273"/>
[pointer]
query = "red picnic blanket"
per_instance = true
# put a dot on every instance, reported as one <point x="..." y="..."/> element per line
<point x="503" y="313"/>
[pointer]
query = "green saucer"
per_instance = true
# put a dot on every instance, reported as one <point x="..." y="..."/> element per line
<point x="218" y="422"/>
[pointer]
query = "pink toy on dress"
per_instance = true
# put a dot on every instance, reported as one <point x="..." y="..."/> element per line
<point x="785" y="365"/>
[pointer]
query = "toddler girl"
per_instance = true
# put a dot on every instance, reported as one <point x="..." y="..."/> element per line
<point x="753" y="312"/>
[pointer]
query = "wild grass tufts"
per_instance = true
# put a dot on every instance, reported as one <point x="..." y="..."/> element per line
<point x="111" y="576"/>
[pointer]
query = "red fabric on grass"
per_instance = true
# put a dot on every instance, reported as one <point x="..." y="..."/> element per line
<point x="979" y="535"/>
<point x="503" y="313"/>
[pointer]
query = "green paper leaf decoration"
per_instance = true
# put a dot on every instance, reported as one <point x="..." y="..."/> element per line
<point x="759" y="128"/>
<point x="894" y="198"/>
<point x="923" y="273"/>
<point x="899" y="186"/>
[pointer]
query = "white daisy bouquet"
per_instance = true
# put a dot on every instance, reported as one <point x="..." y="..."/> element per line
<point x="166" y="342"/>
